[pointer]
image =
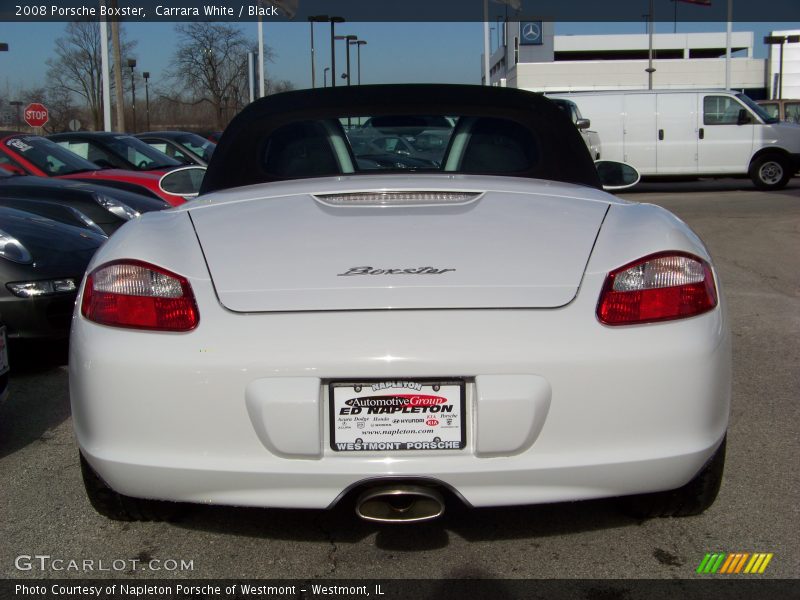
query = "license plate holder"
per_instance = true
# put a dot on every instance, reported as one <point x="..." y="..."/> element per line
<point x="397" y="416"/>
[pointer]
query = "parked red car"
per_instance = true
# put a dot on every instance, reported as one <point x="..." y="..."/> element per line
<point x="34" y="155"/>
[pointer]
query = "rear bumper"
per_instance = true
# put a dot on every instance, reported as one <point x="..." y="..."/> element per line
<point x="478" y="482"/>
<point x="622" y="410"/>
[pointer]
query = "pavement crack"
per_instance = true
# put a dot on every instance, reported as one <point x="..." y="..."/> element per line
<point x="334" y="548"/>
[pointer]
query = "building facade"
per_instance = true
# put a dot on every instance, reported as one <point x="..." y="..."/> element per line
<point x="530" y="56"/>
<point x="791" y="67"/>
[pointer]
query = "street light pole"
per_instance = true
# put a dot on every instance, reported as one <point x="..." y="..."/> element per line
<point x="311" y="20"/>
<point x="348" y="42"/>
<point x="650" y="26"/>
<point x="105" y="74"/>
<point x="311" y="24"/>
<point x="146" y="76"/>
<point x="132" y="65"/>
<point x="334" y="20"/>
<point x="325" y="77"/>
<point x="119" y="90"/>
<point x="348" y="39"/>
<point x="358" y="44"/>
<point x="261" y="83"/>
<point x="4" y="48"/>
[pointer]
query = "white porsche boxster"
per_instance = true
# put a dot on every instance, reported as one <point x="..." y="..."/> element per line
<point x="465" y="316"/>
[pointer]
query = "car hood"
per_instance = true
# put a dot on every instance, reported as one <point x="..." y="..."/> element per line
<point x="55" y="247"/>
<point x="289" y="247"/>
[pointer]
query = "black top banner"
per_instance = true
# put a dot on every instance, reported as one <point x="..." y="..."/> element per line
<point x="775" y="11"/>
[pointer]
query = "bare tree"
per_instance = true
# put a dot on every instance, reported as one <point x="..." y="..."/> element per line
<point x="61" y="105"/>
<point x="211" y="64"/>
<point x="77" y="65"/>
<point x="276" y="87"/>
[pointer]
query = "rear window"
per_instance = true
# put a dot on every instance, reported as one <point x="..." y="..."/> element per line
<point x="792" y="112"/>
<point x="139" y="154"/>
<point x="400" y="129"/>
<point x="369" y="144"/>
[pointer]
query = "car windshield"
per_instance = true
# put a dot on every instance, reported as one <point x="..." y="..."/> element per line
<point x="756" y="108"/>
<point x="200" y="146"/>
<point x="49" y="156"/>
<point x="140" y="154"/>
<point x="366" y="144"/>
<point x="569" y="107"/>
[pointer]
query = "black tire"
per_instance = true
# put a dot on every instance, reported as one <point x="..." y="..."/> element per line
<point x="117" y="507"/>
<point x="691" y="499"/>
<point x="770" y="171"/>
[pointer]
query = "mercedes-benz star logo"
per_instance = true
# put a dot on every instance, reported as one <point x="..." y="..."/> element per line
<point x="531" y="31"/>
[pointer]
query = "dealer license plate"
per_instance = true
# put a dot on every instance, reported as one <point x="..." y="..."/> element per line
<point x="389" y="416"/>
<point x="3" y="351"/>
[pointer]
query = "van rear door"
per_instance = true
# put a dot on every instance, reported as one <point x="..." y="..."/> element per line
<point x="639" y="127"/>
<point x="677" y="133"/>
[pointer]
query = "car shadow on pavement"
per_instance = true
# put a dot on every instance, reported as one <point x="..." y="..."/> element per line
<point x="689" y="185"/>
<point x="341" y="525"/>
<point x="38" y="395"/>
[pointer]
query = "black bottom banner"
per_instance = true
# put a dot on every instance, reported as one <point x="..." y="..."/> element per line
<point x="401" y="589"/>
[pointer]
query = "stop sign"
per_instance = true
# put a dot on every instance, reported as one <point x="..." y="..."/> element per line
<point x="36" y="114"/>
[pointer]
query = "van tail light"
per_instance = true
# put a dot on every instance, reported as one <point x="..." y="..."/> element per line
<point x="659" y="287"/>
<point x="139" y="295"/>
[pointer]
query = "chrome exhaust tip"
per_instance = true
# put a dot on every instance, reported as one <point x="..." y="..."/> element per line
<point x="400" y="504"/>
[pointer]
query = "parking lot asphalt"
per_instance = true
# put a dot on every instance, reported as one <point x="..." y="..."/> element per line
<point x="754" y="238"/>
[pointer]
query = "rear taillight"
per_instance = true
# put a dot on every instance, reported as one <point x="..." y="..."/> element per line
<point x="140" y="296"/>
<point x="660" y="287"/>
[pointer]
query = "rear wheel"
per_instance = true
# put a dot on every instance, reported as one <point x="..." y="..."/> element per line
<point x="118" y="507"/>
<point x="770" y="172"/>
<point x="691" y="499"/>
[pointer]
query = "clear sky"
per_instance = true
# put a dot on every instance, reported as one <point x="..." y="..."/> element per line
<point x="395" y="52"/>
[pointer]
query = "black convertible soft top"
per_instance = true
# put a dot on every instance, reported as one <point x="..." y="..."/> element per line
<point x="561" y="153"/>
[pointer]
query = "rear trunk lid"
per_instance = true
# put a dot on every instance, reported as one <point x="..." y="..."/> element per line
<point x="516" y="245"/>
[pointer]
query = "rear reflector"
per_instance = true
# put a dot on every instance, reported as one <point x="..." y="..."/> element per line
<point x="660" y="287"/>
<point x="139" y="295"/>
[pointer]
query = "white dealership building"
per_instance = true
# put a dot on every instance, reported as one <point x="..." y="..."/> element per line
<point x="530" y="56"/>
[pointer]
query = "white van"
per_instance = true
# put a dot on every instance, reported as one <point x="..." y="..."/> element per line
<point x="698" y="132"/>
